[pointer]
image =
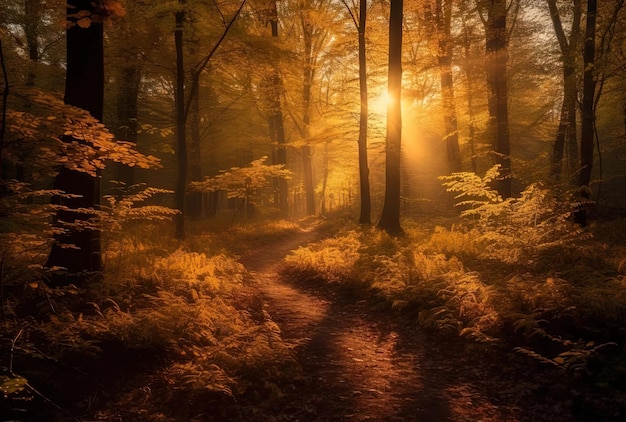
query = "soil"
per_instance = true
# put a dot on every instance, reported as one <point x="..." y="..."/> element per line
<point x="363" y="363"/>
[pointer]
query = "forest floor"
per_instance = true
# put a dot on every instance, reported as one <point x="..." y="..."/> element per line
<point x="350" y="357"/>
<point x="362" y="363"/>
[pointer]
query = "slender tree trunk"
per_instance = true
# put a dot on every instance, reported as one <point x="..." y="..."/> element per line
<point x="309" y="188"/>
<point x="470" y="96"/>
<point x="566" y="139"/>
<point x="324" y="181"/>
<point x="32" y="16"/>
<point x="127" y="113"/>
<point x="181" y="141"/>
<point x="194" y="199"/>
<point x="624" y="114"/>
<point x="3" y="122"/>
<point x="390" y="216"/>
<point x="444" y="55"/>
<point x="306" y="150"/>
<point x="588" y="112"/>
<point x="84" y="88"/>
<point x="276" y="120"/>
<point x="496" y="63"/>
<point x="364" y="181"/>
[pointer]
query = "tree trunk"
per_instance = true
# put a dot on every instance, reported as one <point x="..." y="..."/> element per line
<point x="364" y="181"/>
<point x="588" y="112"/>
<point x="84" y="88"/>
<point x="309" y="187"/>
<point x="194" y="199"/>
<point x="444" y="56"/>
<point x="127" y="113"/>
<point x="276" y="121"/>
<point x="566" y="138"/>
<point x="306" y="150"/>
<point x="181" y="141"/>
<point x="32" y="16"/>
<point x="324" y="182"/>
<point x="470" y="96"/>
<point x="390" y="216"/>
<point x="496" y="63"/>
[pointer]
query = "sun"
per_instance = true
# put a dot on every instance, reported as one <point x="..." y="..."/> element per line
<point x="380" y="103"/>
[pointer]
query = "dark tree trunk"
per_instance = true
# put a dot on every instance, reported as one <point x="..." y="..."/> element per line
<point x="307" y="150"/>
<point x="84" y="88"/>
<point x="181" y="141"/>
<point x="32" y="16"/>
<point x="588" y="112"/>
<point x="194" y="199"/>
<point x="276" y="121"/>
<point x="566" y="133"/>
<point x="364" y="181"/>
<point x="127" y="113"/>
<point x="390" y="216"/>
<point x="624" y="114"/>
<point x="470" y="96"/>
<point x="443" y="14"/>
<point x="496" y="63"/>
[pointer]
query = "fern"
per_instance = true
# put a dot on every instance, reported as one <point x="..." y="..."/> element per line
<point x="516" y="230"/>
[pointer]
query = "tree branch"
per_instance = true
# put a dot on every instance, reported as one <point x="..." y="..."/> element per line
<point x="202" y="65"/>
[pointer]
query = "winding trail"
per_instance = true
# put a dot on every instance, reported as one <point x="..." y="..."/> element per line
<point x="364" y="365"/>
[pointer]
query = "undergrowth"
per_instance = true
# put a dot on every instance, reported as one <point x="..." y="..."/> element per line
<point x="178" y="310"/>
<point x="515" y="273"/>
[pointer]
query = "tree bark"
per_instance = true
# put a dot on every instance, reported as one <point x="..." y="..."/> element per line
<point x="390" y="216"/>
<point x="323" y="209"/>
<point x="194" y="199"/>
<point x="470" y="96"/>
<point x="181" y="141"/>
<point x="306" y="150"/>
<point x="494" y="19"/>
<point x="32" y="16"/>
<point x="364" y="181"/>
<point x="276" y="120"/>
<point x="127" y="114"/>
<point x="588" y="112"/>
<point x="443" y="16"/>
<point x="566" y="138"/>
<point x="84" y="88"/>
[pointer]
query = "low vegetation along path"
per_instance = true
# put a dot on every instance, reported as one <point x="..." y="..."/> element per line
<point x="360" y="364"/>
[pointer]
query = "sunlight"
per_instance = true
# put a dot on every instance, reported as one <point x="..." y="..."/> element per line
<point x="380" y="103"/>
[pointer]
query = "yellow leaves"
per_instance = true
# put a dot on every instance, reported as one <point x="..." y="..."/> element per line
<point x="12" y="385"/>
<point x="241" y="182"/>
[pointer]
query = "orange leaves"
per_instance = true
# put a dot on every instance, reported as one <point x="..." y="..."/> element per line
<point x="101" y="10"/>
<point x="52" y="134"/>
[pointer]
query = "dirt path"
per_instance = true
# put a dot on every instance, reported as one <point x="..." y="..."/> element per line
<point x="363" y="365"/>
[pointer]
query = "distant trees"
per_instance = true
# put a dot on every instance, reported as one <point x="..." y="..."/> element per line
<point x="292" y="81"/>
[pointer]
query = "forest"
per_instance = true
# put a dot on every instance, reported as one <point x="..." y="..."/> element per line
<point x="313" y="210"/>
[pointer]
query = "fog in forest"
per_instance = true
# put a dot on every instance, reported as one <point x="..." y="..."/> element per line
<point x="313" y="210"/>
